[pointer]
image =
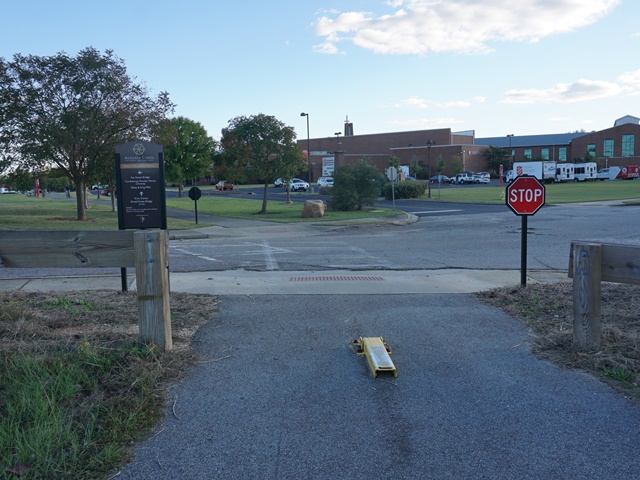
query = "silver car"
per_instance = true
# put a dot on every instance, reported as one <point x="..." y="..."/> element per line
<point x="325" y="182"/>
<point x="296" y="185"/>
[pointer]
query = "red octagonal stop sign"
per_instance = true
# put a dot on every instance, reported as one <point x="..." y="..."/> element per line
<point x="525" y="195"/>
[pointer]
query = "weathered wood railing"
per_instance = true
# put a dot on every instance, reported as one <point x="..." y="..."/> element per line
<point x="146" y="250"/>
<point x="590" y="264"/>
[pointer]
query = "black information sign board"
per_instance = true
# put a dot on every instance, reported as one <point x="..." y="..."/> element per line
<point x="140" y="186"/>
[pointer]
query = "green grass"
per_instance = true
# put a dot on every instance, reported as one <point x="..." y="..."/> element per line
<point x="19" y="212"/>
<point x="62" y="415"/>
<point x="555" y="193"/>
<point x="277" y="210"/>
<point x="27" y="213"/>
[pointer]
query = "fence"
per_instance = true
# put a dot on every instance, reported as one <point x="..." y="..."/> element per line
<point x="589" y="265"/>
<point x="147" y="251"/>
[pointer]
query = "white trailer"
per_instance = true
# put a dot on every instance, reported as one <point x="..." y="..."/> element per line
<point x="543" y="171"/>
<point x="585" y="171"/>
<point x="565" y="172"/>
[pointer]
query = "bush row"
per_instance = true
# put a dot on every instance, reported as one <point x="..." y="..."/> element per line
<point x="404" y="190"/>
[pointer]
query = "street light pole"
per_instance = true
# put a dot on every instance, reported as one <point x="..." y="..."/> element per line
<point x="337" y="134"/>
<point x="510" y="136"/>
<point x="308" y="148"/>
<point x="430" y="143"/>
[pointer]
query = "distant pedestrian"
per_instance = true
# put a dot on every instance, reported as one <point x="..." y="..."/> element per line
<point x="68" y="191"/>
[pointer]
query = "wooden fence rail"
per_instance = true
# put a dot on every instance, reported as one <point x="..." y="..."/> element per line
<point x="146" y="250"/>
<point x="589" y="265"/>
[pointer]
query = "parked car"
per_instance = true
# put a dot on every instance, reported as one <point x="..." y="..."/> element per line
<point x="295" y="185"/>
<point x="325" y="182"/>
<point x="407" y="178"/>
<point x="222" y="185"/>
<point x="278" y="183"/>
<point x="465" y="177"/>
<point x="441" y="179"/>
<point x="482" y="177"/>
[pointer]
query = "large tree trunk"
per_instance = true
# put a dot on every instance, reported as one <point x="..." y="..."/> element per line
<point x="80" y="199"/>
<point x="264" y="198"/>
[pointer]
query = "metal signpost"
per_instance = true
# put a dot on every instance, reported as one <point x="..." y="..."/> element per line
<point x="525" y="196"/>
<point x="392" y="175"/>
<point x="195" y="194"/>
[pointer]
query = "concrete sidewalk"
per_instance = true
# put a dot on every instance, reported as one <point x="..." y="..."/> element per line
<point x="332" y="282"/>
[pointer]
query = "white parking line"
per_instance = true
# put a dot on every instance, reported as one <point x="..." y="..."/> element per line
<point x="270" y="260"/>
<point x="202" y="257"/>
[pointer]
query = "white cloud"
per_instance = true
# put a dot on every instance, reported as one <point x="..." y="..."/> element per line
<point x="415" y="102"/>
<point x="564" y="92"/>
<point x="631" y="79"/>
<point x="420" y="27"/>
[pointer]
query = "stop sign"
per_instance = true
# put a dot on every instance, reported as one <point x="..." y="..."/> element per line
<point x="525" y="195"/>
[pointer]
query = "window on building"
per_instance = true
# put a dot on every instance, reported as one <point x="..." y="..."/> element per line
<point x="607" y="148"/>
<point x="527" y="153"/>
<point x="544" y="153"/>
<point x="628" y="144"/>
<point x="562" y="154"/>
<point x="591" y="150"/>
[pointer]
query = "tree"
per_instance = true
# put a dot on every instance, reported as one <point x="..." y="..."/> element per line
<point x="355" y="186"/>
<point x="262" y="147"/>
<point x="188" y="150"/>
<point x="457" y="165"/>
<point x="71" y="112"/>
<point x="496" y="156"/>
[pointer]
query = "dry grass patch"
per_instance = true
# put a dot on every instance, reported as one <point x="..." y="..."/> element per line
<point x="548" y="311"/>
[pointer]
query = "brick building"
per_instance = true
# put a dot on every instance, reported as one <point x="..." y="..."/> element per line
<point x="618" y="146"/>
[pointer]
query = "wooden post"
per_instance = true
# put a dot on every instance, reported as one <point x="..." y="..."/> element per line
<point x="152" y="283"/>
<point x="587" y="269"/>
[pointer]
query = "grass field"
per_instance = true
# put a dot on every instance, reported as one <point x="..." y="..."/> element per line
<point x="18" y="212"/>
<point x="555" y="193"/>
<point x="277" y="210"/>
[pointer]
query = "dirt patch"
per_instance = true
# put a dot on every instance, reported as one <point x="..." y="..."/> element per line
<point x="547" y="309"/>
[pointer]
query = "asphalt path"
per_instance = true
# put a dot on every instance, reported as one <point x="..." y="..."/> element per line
<point x="281" y="394"/>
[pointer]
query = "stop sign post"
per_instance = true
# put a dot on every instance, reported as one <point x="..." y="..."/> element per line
<point x="525" y="196"/>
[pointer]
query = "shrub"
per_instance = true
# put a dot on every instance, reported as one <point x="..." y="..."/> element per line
<point x="405" y="190"/>
<point x="355" y="186"/>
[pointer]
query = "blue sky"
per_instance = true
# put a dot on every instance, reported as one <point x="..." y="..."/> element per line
<point x="493" y="66"/>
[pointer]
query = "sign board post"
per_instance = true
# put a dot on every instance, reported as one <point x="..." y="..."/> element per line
<point x="140" y="189"/>
<point x="525" y="196"/>
<point x="392" y="175"/>
<point x="194" y="194"/>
